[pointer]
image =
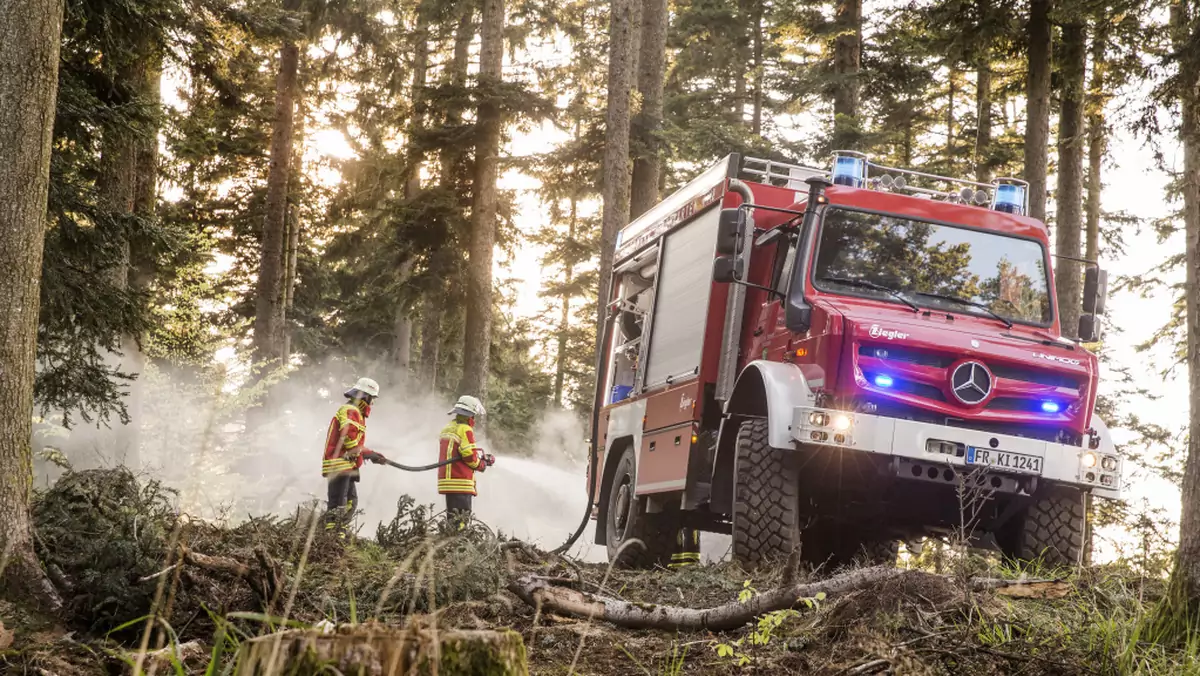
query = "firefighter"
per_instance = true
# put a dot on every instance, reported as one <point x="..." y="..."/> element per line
<point x="687" y="549"/>
<point x="345" y="450"/>
<point x="456" y="480"/>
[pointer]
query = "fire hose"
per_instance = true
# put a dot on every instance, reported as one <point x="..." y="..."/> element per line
<point x="489" y="459"/>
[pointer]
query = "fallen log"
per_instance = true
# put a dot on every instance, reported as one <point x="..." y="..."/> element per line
<point x="541" y="592"/>
<point x="383" y="650"/>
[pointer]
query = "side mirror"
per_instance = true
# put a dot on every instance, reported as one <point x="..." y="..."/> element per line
<point x="1091" y="328"/>
<point x="730" y="229"/>
<point x="1095" y="290"/>
<point x="770" y="236"/>
<point x="727" y="269"/>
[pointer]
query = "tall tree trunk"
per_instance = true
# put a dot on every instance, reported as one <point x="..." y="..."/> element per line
<point x="1097" y="134"/>
<point x="269" y="305"/>
<point x="742" y="72"/>
<point x="951" y="91"/>
<point x="294" y="226"/>
<point x="564" y="324"/>
<point x="847" y="60"/>
<point x="141" y="272"/>
<point x="1037" y="106"/>
<point x="433" y="302"/>
<point x="983" y="141"/>
<point x="626" y="15"/>
<point x="756" y="39"/>
<point x="648" y="122"/>
<point x="402" y="329"/>
<point x="983" y="97"/>
<point x="477" y="338"/>
<point x="1068" y="224"/>
<point x="29" y="46"/>
<point x="1185" y="578"/>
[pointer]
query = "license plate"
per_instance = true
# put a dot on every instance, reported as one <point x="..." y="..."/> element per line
<point x="1004" y="460"/>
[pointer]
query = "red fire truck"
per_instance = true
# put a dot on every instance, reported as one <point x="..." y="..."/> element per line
<point x="840" y="360"/>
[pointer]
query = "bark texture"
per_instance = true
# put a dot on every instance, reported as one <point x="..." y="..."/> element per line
<point x="29" y="50"/>
<point x="847" y="60"/>
<point x="1037" y="106"/>
<point x="622" y="48"/>
<point x="1068" y="223"/>
<point x="543" y="593"/>
<point x="1097" y="135"/>
<point x="564" y="325"/>
<point x="1185" y="579"/>
<point x="294" y="225"/>
<point x="477" y="339"/>
<point x="647" y="162"/>
<point x="269" y="305"/>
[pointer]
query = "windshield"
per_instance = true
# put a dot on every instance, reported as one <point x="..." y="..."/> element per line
<point x="1006" y="275"/>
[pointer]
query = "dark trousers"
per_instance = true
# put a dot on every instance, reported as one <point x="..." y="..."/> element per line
<point x="342" y="499"/>
<point x="687" y="549"/>
<point x="458" y="510"/>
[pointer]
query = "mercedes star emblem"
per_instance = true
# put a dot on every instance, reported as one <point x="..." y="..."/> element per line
<point x="971" y="382"/>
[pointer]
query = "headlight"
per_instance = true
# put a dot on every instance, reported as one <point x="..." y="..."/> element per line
<point x="818" y="419"/>
<point x="1089" y="460"/>
<point x="1109" y="462"/>
<point x="841" y="422"/>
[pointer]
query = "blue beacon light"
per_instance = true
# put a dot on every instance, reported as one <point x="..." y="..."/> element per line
<point x="882" y="380"/>
<point x="1010" y="198"/>
<point x="1050" y="406"/>
<point x="848" y="170"/>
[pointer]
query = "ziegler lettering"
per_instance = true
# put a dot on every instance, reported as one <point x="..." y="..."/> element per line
<point x="685" y="402"/>
<point x="1060" y="360"/>
<point x="891" y="334"/>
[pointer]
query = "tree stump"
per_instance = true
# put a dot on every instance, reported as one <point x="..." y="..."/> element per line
<point x="378" y="650"/>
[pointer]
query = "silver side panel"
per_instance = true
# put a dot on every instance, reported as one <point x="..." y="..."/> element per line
<point x="626" y="421"/>
<point x="731" y="334"/>
<point x="681" y="304"/>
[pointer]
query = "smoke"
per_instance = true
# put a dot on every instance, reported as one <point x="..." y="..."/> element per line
<point x="192" y="437"/>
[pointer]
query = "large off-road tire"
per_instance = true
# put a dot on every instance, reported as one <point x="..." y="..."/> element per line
<point x="766" y="499"/>
<point x="828" y="548"/>
<point x="626" y="520"/>
<point x="1052" y="530"/>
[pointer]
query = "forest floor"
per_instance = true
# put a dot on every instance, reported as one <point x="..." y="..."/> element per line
<point x="117" y="549"/>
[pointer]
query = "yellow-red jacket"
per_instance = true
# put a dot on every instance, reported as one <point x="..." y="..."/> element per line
<point x="458" y="441"/>
<point x="347" y="435"/>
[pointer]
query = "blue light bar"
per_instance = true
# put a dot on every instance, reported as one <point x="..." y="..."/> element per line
<point x="1050" y="406"/>
<point x="1010" y="198"/>
<point x="882" y="380"/>
<point x="849" y="170"/>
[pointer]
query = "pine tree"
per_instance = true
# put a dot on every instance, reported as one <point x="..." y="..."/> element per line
<point x="847" y="60"/>
<point x="1037" y="106"/>
<point x="1068" y="223"/>
<point x="647" y="124"/>
<point x="1185" y="35"/>
<point x="478" y="337"/>
<point x="624" y="27"/>
<point x="269" y="303"/>
<point x="29" y="55"/>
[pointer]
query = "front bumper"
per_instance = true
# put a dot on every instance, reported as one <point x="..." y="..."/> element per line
<point x="919" y="448"/>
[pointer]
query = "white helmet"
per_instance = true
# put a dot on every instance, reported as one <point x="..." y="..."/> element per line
<point x="364" y="386"/>
<point x="468" y="406"/>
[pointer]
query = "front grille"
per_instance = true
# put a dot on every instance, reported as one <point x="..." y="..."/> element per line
<point x="1048" y="378"/>
<point x="893" y="353"/>
<point x="893" y="409"/>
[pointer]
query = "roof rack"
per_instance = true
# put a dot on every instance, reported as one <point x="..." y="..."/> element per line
<point x="856" y="169"/>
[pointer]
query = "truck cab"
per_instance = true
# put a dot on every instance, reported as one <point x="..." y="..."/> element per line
<point x="833" y="361"/>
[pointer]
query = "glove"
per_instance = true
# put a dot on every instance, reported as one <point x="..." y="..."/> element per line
<point x="489" y="459"/>
<point x="374" y="457"/>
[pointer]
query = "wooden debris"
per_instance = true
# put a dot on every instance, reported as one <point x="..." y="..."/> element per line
<point x="1039" y="589"/>
<point x="386" y="651"/>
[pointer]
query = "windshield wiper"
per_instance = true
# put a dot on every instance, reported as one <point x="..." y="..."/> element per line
<point x="877" y="287"/>
<point x="966" y="301"/>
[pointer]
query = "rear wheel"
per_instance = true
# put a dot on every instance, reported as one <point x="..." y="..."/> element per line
<point x="766" y="498"/>
<point x="1052" y="530"/>
<point x="627" y="520"/>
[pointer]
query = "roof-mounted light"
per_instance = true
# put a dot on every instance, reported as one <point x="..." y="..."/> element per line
<point x="849" y="168"/>
<point x="1010" y="198"/>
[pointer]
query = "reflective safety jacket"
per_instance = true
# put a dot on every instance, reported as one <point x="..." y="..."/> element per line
<point x="458" y="441"/>
<point x="347" y="434"/>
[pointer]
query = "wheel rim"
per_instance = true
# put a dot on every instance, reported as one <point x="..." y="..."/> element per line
<point x="621" y="508"/>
